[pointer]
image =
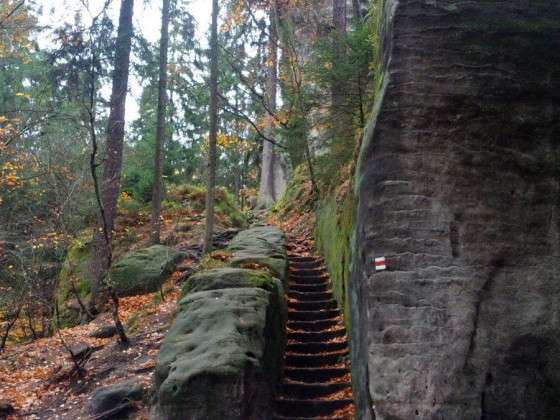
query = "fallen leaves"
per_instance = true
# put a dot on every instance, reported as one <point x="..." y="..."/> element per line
<point x="32" y="375"/>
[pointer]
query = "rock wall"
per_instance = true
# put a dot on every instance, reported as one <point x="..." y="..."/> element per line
<point x="458" y="186"/>
<point x="222" y="357"/>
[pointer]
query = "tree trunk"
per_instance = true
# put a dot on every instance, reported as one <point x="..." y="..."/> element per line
<point x="157" y="193"/>
<point x="273" y="178"/>
<point x="339" y="115"/>
<point x="9" y="326"/>
<point x="211" y="168"/>
<point x="357" y="9"/>
<point x="113" y="161"/>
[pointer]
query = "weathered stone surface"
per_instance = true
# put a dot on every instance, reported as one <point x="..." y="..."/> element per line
<point x="222" y="358"/>
<point x="219" y="357"/>
<point x="228" y="277"/>
<point x="144" y="270"/>
<point x="115" y="400"/>
<point x="263" y="245"/>
<point x="105" y="331"/>
<point x="458" y="186"/>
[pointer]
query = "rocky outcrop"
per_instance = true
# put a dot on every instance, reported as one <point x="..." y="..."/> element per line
<point x="222" y="357"/>
<point x="144" y="270"/>
<point x="261" y="245"/>
<point x="458" y="186"/>
<point x="115" y="401"/>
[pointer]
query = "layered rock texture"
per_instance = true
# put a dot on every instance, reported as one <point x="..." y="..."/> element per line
<point x="458" y="186"/>
<point x="222" y="357"/>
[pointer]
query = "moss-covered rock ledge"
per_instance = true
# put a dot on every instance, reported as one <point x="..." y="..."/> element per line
<point x="222" y="357"/>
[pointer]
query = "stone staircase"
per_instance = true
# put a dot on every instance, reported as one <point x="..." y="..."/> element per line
<point x="317" y="383"/>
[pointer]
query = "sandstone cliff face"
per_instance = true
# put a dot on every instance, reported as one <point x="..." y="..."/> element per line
<point x="458" y="186"/>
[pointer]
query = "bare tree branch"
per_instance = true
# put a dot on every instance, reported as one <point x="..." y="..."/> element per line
<point x="12" y="12"/>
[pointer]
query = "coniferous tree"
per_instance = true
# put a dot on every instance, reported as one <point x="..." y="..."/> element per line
<point x="211" y="165"/>
<point x="158" y="186"/>
<point x="273" y="177"/>
<point x="110" y="185"/>
<point x="339" y="114"/>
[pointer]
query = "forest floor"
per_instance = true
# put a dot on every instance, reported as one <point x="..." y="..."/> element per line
<point x="38" y="379"/>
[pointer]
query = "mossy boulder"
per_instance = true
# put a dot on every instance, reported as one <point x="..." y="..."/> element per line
<point x="235" y="278"/>
<point x="227" y="209"/>
<point x="262" y="245"/>
<point x="228" y="277"/>
<point x="144" y="270"/>
<point x="222" y="357"/>
<point x="76" y="268"/>
<point x="117" y="398"/>
<point x="74" y="277"/>
<point x="217" y="360"/>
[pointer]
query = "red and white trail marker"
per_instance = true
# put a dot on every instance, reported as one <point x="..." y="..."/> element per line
<point x="380" y="264"/>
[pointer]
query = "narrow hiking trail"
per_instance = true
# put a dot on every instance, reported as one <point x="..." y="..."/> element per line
<point x="317" y="383"/>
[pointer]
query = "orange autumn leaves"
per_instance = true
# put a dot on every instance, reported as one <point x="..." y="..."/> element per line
<point x="15" y="27"/>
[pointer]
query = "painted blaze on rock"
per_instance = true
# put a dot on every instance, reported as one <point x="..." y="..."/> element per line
<point x="458" y="185"/>
<point x="223" y="354"/>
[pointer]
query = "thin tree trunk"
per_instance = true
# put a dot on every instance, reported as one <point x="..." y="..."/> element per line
<point x="113" y="161"/>
<point x="357" y="6"/>
<point x="211" y="164"/>
<point x="273" y="182"/>
<point x="6" y="334"/>
<point x="157" y="193"/>
<point x="338" y="86"/>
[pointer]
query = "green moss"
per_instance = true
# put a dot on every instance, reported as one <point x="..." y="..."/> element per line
<point x="225" y="278"/>
<point x="277" y="266"/>
<point x="263" y="245"/>
<point x="226" y="337"/>
<point x="226" y="204"/>
<point x="144" y="270"/>
<point x="230" y="329"/>
<point x="295" y="197"/>
<point x="211" y="261"/>
<point x="332" y="234"/>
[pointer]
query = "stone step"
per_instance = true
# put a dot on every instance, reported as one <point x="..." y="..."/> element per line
<point x="316" y="347"/>
<point x="304" y="259"/>
<point x="311" y="390"/>
<point x="305" y="265"/>
<point x="315" y="360"/>
<point x="312" y="305"/>
<point x="279" y="417"/>
<point x="298" y="315"/>
<point x="310" y="408"/>
<point x="312" y="325"/>
<point x="303" y="288"/>
<point x="314" y="375"/>
<point x="315" y="279"/>
<point x="309" y="296"/>
<point x="315" y="379"/>
<point x="317" y="336"/>
<point x="315" y="271"/>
